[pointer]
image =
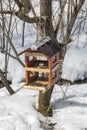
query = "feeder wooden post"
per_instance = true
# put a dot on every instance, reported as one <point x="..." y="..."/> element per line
<point x="50" y="73"/>
<point x="27" y="65"/>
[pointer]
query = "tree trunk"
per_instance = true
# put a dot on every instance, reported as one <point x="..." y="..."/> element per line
<point x="46" y="29"/>
<point x="44" y="102"/>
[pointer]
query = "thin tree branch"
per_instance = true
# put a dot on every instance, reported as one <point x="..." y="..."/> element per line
<point x="74" y="15"/>
<point x="21" y="16"/>
<point x="11" y="44"/>
<point x="60" y="16"/>
<point x="8" y="53"/>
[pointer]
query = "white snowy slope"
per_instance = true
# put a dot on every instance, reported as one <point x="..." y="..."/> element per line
<point x="70" y="113"/>
<point x="19" y="111"/>
<point x="75" y="63"/>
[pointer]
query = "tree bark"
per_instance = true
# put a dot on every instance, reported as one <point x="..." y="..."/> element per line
<point x="46" y="30"/>
<point x="44" y="102"/>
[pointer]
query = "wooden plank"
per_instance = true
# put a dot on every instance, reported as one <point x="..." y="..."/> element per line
<point x="27" y="72"/>
<point x="55" y="68"/>
<point x="42" y="82"/>
<point x="35" y="54"/>
<point x="37" y="69"/>
<point x="55" y="80"/>
<point x="50" y="74"/>
<point x="49" y="63"/>
<point x="55" y="62"/>
<point x="42" y="88"/>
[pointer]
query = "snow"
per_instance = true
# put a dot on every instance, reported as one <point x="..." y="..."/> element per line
<point x="19" y="111"/>
<point x="16" y="72"/>
<point x="70" y="113"/>
<point x="36" y="45"/>
<point x="75" y="63"/>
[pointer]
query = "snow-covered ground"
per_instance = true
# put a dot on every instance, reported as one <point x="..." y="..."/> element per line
<point x="19" y="111"/>
<point x="75" y="63"/>
<point x="70" y="113"/>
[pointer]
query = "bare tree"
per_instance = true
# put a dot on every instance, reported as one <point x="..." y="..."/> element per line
<point x="44" y="26"/>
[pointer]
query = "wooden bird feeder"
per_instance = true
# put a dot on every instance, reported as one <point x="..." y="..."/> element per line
<point x="42" y="66"/>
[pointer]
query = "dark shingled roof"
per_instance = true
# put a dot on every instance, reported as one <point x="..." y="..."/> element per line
<point x="49" y="48"/>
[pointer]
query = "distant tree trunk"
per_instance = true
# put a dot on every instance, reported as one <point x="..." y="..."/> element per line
<point x="23" y="26"/>
<point x="71" y="18"/>
<point x="3" y="27"/>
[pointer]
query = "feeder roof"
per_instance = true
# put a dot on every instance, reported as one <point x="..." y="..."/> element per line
<point x="46" y="47"/>
<point x="49" y="48"/>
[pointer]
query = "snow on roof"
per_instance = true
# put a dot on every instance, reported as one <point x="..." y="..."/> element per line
<point x="46" y="46"/>
<point x="38" y="44"/>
